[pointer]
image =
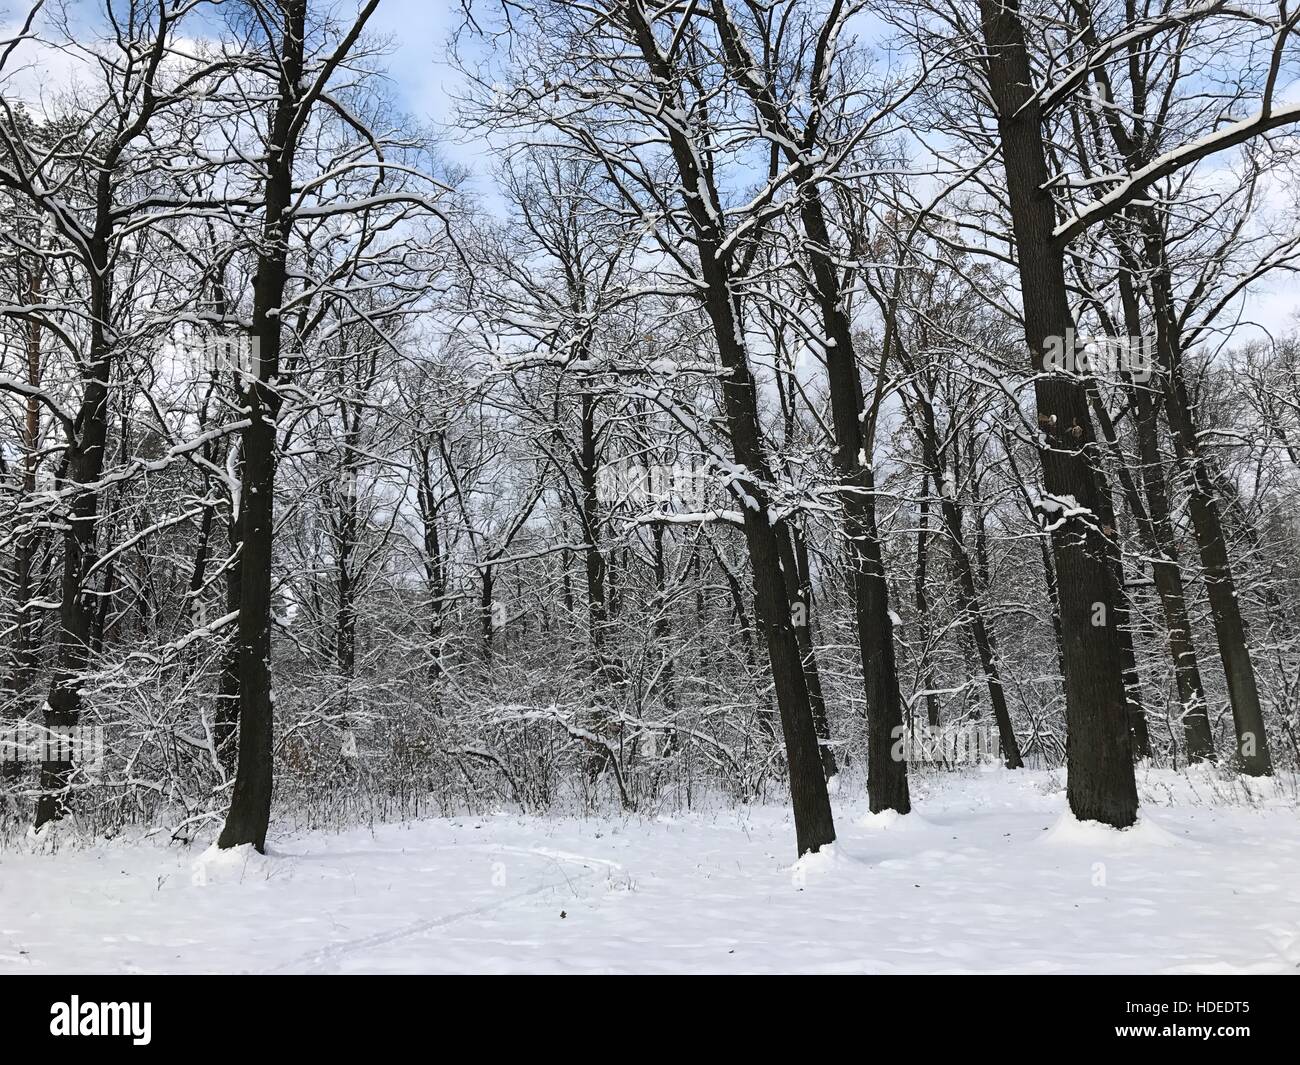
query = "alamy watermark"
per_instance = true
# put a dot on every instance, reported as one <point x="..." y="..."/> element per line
<point x="83" y="744"/>
<point x="221" y="352"/>
<point x="667" y="484"/>
<point x="945" y="745"/>
<point x="130" y="1020"/>
<point x="1100" y="356"/>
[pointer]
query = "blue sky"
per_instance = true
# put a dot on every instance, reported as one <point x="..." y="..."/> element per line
<point x="419" y="30"/>
<point x="425" y="84"/>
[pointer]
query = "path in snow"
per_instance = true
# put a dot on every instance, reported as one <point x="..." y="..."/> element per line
<point x="987" y="876"/>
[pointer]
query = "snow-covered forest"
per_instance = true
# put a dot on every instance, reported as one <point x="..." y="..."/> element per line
<point x="704" y="432"/>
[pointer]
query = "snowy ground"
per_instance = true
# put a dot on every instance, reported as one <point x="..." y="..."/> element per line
<point x="988" y="876"/>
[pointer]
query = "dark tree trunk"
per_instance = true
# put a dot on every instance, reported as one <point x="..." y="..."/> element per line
<point x="225" y="726"/>
<point x="922" y="597"/>
<point x="589" y="476"/>
<point x="26" y="621"/>
<point x="202" y="548"/>
<point x="567" y="583"/>
<point x="345" y="621"/>
<point x="814" y="825"/>
<point x="1101" y="785"/>
<point x="970" y="584"/>
<point x="85" y="463"/>
<point x="794" y="566"/>
<point x="868" y="586"/>
<point x="250" y="803"/>
<point x="487" y="611"/>
<point x="1252" y="754"/>
<point x="1156" y="532"/>
<point x="435" y="569"/>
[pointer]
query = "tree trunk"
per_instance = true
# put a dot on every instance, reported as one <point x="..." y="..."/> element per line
<point x="225" y="725"/>
<point x="487" y="611"/>
<point x="25" y="647"/>
<point x="345" y="621"/>
<point x="85" y="463"/>
<point x="1100" y="784"/>
<point x="589" y="477"/>
<point x="435" y="571"/>
<point x="1155" y="530"/>
<point x="250" y="803"/>
<point x="868" y="587"/>
<point x="814" y="825"/>
<point x="968" y="589"/>
<point x="922" y="599"/>
<point x="869" y="591"/>
<point x="794" y="566"/>
<point x="1252" y="754"/>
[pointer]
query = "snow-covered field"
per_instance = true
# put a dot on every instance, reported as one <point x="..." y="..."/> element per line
<point x="990" y="875"/>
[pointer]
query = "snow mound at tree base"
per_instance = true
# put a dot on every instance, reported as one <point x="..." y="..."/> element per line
<point x="1069" y="831"/>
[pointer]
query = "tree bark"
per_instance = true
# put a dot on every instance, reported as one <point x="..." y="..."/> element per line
<point x="799" y="590"/>
<point x="250" y="803"/>
<point x="25" y="647"/>
<point x="766" y="535"/>
<point x="1252" y="753"/>
<point x="922" y="597"/>
<point x="1100" y="785"/>
<point x="868" y="587"/>
<point x="1155" y="530"/>
<point x="85" y="463"/>
<point x="968" y="593"/>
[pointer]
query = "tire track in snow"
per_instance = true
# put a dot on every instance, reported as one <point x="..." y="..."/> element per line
<point x="335" y="951"/>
